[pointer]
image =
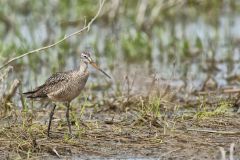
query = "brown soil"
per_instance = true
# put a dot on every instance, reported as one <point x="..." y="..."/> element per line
<point x="118" y="134"/>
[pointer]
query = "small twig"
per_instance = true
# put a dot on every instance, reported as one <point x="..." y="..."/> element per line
<point x="223" y="153"/>
<point x="86" y="27"/>
<point x="237" y="90"/>
<point x="5" y="73"/>
<point x="213" y="131"/>
<point x="165" y="154"/>
<point x="231" y="156"/>
<point x="11" y="92"/>
<point x="55" y="151"/>
<point x="5" y="100"/>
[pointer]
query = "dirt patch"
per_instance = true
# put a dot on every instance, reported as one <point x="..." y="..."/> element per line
<point x="111" y="133"/>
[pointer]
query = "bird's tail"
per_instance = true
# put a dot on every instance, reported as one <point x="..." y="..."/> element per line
<point x="36" y="93"/>
<point x="30" y="94"/>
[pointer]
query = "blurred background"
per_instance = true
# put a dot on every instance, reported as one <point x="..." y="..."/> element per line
<point x="186" y="44"/>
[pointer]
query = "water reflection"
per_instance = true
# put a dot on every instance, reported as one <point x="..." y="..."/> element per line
<point x="182" y="51"/>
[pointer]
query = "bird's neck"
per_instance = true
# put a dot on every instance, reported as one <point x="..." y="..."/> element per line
<point x="83" y="67"/>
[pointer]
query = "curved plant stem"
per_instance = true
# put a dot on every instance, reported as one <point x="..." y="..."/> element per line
<point x="86" y="27"/>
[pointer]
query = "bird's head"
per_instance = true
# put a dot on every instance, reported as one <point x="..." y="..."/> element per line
<point x="86" y="58"/>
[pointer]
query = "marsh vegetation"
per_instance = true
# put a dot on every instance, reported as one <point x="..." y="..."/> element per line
<point x="175" y="74"/>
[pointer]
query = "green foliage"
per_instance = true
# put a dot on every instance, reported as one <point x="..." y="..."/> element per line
<point x="152" y="107"/>
<point x="221" y="109"/>
<point x="185" y="48"/>
<point x="198" y="43"/>
<point x="136" y="46"/>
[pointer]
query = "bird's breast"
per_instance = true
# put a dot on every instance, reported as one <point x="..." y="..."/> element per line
<point x="81" y="80"/>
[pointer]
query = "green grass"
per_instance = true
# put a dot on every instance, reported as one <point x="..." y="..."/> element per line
<point x="221" y="109"/>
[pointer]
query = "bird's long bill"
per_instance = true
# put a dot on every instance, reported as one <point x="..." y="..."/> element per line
<point x="95" y="66"/>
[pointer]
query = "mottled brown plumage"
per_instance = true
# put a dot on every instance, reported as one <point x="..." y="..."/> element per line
<point x="64" y="86"/>
<point x="61" y="87"/>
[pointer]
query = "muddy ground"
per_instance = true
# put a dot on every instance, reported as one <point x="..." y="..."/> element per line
<point x="124" y="133"/>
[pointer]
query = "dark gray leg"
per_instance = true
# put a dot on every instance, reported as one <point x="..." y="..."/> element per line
<point x="50" y="119"/>
<point x="67" y="116"/>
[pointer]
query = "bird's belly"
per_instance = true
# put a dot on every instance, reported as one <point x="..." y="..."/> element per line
<point x="69" y="91"/>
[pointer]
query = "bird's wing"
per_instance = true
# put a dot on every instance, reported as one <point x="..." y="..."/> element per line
<point x="56" y="82"/>
<point x="53" y="83"/>
<point x="57" y="78"/>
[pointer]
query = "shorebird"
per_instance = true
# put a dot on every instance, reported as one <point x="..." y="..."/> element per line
<point x="64" y="87"/>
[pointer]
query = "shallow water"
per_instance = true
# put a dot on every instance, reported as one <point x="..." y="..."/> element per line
<point x="184" y="53"/>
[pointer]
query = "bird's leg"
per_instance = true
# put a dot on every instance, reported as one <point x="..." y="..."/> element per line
<point x="67" y="116"/>
<point x="50" y="119"/>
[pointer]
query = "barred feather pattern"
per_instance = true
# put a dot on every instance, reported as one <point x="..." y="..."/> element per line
<point x="61" y="86"/>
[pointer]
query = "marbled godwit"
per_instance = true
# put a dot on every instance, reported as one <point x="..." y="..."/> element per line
<point x="65" y="86"/>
